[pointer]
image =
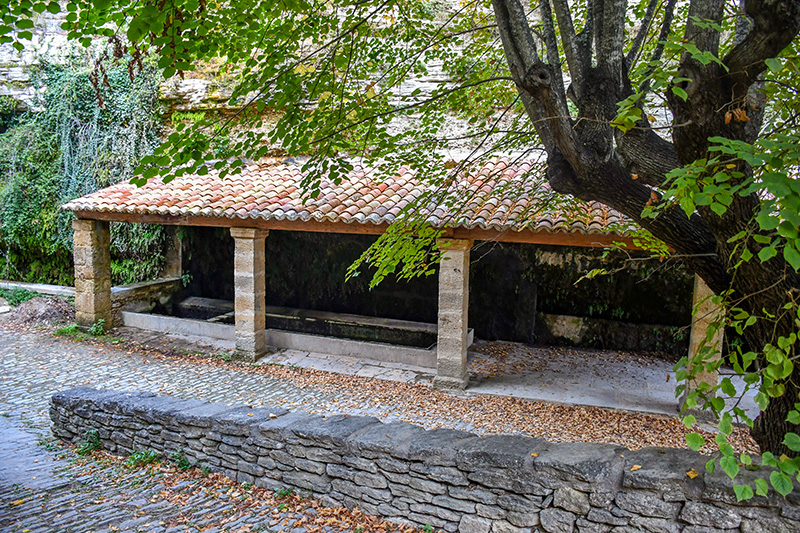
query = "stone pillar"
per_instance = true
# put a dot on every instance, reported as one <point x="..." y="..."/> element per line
<point x="92" y="254"/>
<point x="173" y="257"/>
<point x="250" y="286"/>
<point x="706" y="313"/>
<point x="451" y="348"/>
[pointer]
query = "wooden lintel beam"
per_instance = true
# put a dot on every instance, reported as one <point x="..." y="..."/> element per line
<point x="216" y="222"/>
<point x="525" y="236"/>
<point x="594" y="240"/>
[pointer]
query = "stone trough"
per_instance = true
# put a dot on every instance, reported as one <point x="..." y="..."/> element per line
<point x="381" y="339"/>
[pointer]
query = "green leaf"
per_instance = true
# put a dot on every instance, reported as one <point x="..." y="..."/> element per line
<point x="725" y="424"/>
<point x="743" y="492"/>
<point x="695" y="441"/>
<point x="730" y="466"/>
<point x="727" y="387"/>
<point x="781" y="483"/>
<point x="718" y="208"/>
<point x="680" y="93"/>
<point x="792" y="441"/>
<point x="793" y="417"/>
<point x="766" y="221"/>
<point x="792" y="256"/>
<point x="767" y="253"/>
<point x="773" y="64"/>
<point x="745" y="459"/>
<point x="762" y="400"/>
<point x="762" y="487"/>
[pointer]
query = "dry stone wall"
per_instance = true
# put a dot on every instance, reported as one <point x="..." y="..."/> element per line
<point x="447" y="479"/>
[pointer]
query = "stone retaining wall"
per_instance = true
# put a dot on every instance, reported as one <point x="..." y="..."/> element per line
<point x="143" y="297"/>
<point x="448" y="479"/>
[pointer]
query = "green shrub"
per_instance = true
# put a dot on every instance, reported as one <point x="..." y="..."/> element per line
<point x="180" y="461"/>
<point x="68" y="331"/>
<point x="91" y="442"/>
<point x="98" y="329"/>
<point x="141" y="458"/>
<point x="16" y="296"/>
<point x="71" y="145"/>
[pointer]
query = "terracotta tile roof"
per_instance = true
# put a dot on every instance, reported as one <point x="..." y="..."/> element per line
<point x="498" y="196"/>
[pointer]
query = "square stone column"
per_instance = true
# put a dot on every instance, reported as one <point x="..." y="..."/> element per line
<point x="173" y="256"/>
<point x="250" y="287"/>
<point x="706" y="313"/>
<point x="92" y="255"/>
<point x="451" y="347"/>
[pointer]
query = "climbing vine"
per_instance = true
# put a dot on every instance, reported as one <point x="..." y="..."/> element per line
<point x="68" y="144"/>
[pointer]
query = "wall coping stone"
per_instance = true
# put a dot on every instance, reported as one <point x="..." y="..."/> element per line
<point x="449" y="479"/>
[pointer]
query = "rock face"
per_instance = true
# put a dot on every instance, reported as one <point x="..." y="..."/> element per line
<point x="17" y="68"/>
<point x="450" y="480"/>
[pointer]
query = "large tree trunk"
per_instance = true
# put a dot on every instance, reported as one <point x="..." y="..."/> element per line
<point x="589" y="159"/>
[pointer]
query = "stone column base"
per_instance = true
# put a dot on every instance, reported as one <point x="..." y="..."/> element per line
<point x="246" y="356"/>
<point x="450" y="383"/>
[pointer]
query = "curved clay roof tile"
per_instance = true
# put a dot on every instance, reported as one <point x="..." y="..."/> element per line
<point x="495" y="195"/>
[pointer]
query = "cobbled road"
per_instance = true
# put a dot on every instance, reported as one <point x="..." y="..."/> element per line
<point x="45" y="488"/>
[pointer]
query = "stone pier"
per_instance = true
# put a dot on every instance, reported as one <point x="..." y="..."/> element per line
<point x="706" y="312"/>
<point x="92" y="255"/>
<point x="451" y="350"/>
<point x="250" y="288"/>
<point x="173" y="255"/>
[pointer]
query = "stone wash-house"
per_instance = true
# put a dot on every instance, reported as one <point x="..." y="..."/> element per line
<point x="498" y="203"/>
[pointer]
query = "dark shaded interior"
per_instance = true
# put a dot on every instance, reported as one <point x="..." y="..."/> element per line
<point x="510" y="284"/>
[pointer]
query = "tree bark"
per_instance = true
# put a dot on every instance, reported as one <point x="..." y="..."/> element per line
<point x="588" y="159"/>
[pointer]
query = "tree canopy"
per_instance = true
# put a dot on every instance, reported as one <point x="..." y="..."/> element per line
<point x="681" y="115"/>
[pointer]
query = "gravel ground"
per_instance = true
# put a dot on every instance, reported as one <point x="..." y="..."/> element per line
<point x="39" y="364"/>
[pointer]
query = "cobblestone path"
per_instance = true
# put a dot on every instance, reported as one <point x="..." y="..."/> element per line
<point x="44" y="489"/>
<point x="35" y="365"/>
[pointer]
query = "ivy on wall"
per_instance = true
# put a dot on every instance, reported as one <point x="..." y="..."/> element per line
<point x="75" y="140"/>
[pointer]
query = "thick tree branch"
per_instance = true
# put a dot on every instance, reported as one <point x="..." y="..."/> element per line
<point x="550" y="41"/>
<point x="515" y="34"/>
<point x="658" y="51"/>
<point x="587" y="33"/>
<point x="611" y="184"/>
<point x="543" y="98"/>
<point x="576" y="58"/>
<point x="596" y="11"/>
<point x="706" y="39"/>
<point x="647" y="155"/>
<point x="609" y="53"/>
<point x="644" y="29"/>
<point x="775" y="24"/>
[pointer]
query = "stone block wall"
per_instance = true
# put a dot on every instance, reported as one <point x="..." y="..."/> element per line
<point x="447" y="479"/>
<point x="143" y="297"/>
